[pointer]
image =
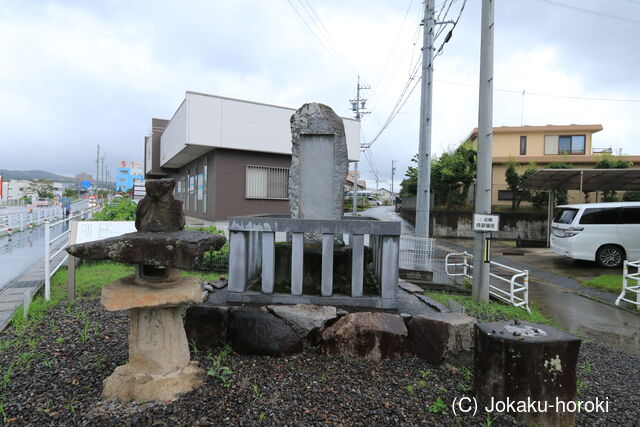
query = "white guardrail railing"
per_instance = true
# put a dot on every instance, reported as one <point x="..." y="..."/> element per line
<point x="517" y="292"/>
<point x="63" y="242"/>
<point x="20" y="221"/>
<point x="626" y="278"/>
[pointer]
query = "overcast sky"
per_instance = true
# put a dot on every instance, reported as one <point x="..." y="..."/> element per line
<point x="75" y="74"/>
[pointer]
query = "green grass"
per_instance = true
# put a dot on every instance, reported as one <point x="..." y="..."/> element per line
<point x="607" y="282"/>
<point x="511" y="243"/>
<point x="89" y="281"/>
<point x="493" y="311"/>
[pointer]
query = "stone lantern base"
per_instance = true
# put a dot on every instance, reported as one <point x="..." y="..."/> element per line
<point x="126" y="383"/>
<point x="159" y="365"/>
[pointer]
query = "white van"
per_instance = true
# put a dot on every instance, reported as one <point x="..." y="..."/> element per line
<point x="607" y="233"/>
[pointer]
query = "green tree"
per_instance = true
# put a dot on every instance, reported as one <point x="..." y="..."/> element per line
<point x="451" y="176"/>
<point x="120" y="209"/>
<point x="631" y="196"/>
<point x="514" y="182"/>
<point x="561" y="195"/>
<point x="70" y="193"/>
<point x="43" y="188"/>
<point x="609" y="161"/>
<point x="409" y="185"/>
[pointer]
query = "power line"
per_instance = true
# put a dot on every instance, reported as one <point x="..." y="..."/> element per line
<point x="342" y="66"/>
<point x="393" y="48"/>
<point x="519" y="92"/>
<point x="594" y="12"/>
<point x="450" y="33"/>
<point x="316" y="19"/>
<point x="407" y="90"/>
<point x="384" y="86"/>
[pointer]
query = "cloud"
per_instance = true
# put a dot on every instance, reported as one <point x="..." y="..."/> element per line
<point x="78" y="74"/>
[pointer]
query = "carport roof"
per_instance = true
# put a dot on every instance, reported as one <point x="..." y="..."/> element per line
<point x="592" y="179"/>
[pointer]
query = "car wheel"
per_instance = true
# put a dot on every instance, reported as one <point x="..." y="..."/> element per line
<point x="610" y="256"/>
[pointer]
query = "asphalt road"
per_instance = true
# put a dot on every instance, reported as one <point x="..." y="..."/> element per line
<point x="554" y="286"/>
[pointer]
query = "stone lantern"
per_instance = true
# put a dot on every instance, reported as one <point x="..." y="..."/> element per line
<point x="159" y="365"/>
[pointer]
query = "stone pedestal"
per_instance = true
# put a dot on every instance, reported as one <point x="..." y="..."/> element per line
<point x="159" y="365"/>
<point x="523" y="363"/>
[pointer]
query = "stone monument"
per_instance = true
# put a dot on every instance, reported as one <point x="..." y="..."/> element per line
<point x="159" y="365"/>
<point x="319" y="163"/>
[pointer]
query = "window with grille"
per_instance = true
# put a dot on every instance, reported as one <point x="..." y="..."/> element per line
<point x="267" y="182"/>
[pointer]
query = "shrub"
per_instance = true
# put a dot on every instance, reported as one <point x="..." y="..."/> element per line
<point x="120" y="209"/>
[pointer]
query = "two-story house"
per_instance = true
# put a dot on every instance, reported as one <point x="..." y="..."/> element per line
<point x="542" y="145"/>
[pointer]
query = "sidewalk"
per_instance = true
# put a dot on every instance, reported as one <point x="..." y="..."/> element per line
<point x="29" y="283"/>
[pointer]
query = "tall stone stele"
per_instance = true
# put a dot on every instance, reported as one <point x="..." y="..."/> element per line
<point x="159" y="365"/>
<point x="319" y="163"/>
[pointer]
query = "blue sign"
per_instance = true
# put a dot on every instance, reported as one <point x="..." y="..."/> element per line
<point x="86" y="183"/>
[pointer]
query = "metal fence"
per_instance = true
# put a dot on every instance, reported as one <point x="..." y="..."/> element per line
<point x="21" y="221"/>
<point x="509" y="284"/>
<point x="416" y="253"/>
<point x="626" y="287"/>
<point x="54" y="247"/>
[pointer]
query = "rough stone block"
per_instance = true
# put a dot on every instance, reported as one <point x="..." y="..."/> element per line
<point x="522" y="362"/>
<point x="206" y="325"/>
<point x="371" y="336"/>
<point x="306" y="320"/>
<point x="124" y="294"/>
<point x="181" y="249"/>
<point x="442" y="337"/>
<point x="127" y="383"/>
<point x="159" y="210"/>
<point x="252" y="331"/>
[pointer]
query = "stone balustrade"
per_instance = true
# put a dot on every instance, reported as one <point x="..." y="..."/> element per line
<point x="252" y="257"/>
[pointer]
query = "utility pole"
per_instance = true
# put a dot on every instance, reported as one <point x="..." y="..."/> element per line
<point x="393" y="172"/>
<point x="482" y="239"/>
<point x="357" y="106"/>
<point x="98" y="166"/>
<point x="426" y="98"/>
<point x="104" y="169"/>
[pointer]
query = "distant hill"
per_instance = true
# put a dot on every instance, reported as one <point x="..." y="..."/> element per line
<point x="34" y="174"/>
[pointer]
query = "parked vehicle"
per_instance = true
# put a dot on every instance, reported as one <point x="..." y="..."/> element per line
<point x="42" y="203"/>
<point x="607" y="233"/>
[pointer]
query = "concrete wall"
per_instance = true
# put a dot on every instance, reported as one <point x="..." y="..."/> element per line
<point x="513" y="225"/>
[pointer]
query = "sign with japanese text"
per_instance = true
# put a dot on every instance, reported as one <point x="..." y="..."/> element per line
<point x="486" y="222"/>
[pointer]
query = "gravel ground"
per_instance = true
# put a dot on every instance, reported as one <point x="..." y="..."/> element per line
<point x="52" y="375"/>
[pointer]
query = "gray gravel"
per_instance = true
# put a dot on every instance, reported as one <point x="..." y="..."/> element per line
<point x="69" y="354"/>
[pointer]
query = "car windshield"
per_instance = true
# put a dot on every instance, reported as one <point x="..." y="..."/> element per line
<point x="565" y="216"/>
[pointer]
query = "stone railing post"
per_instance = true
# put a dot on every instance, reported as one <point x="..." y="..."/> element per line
<point x="237" y="261"/>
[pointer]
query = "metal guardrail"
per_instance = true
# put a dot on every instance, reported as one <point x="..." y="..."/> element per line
<point x="626" y="277"/>
<point x="518" y="282"/>
<point x="48" y="242"/>
<point x="20" y="221"/>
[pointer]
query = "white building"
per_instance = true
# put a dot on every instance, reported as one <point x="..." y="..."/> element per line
<point x="229" y="156"/>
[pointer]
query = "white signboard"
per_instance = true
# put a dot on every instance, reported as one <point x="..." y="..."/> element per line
<point x="486" y="222"/>
<point x="88" y="231"/>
